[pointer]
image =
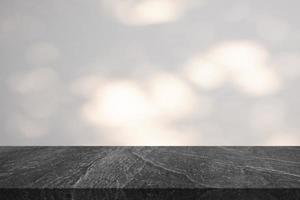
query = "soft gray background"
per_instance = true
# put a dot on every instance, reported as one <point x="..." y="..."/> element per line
<point x="149" y="72"/>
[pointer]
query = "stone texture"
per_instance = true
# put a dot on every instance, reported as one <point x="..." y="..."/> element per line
<point x="90" y="172"/>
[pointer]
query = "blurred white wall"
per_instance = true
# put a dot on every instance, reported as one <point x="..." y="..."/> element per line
<point x="149" y="72"/>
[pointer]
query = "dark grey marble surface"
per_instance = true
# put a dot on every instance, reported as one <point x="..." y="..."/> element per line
<point x="145" y="168"/>
<point x="150" y="167"/>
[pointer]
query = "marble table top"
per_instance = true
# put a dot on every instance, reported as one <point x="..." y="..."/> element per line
<point x="150" y="168"/>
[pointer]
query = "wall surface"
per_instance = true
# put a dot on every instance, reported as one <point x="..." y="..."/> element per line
<point x="149" y="72"/>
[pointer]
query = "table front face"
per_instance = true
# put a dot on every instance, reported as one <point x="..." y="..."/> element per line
<point x="150" y="167"/>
